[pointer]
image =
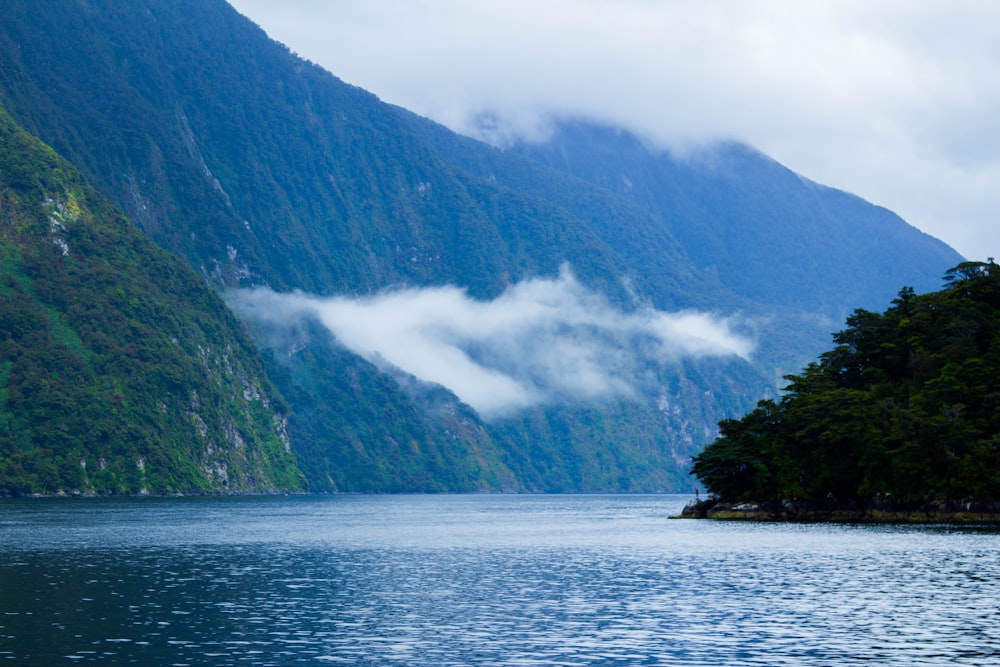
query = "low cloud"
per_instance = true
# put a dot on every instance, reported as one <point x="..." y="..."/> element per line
<point x="541" y="341"/>
<point x="894" y="101"/>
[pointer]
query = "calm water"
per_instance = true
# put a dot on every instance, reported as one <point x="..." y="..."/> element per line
<point x="481" y="580"/>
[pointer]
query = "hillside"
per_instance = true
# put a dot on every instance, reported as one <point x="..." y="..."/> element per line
<point x="796" y="255"/>
<point x="737" y="213"/>
<point x="902" y="415"/>
<point x="265" y="171"/>
<point x="120" y="370"/>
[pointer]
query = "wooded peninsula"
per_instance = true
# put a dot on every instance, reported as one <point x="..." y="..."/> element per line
<point x="900" y="421"/>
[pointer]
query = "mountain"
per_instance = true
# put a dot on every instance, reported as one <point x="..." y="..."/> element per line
<point x="263" y="170"/>
<point x="737" y="213"/>
<point x="768" y="240"/>
<point x="120" y="370"/>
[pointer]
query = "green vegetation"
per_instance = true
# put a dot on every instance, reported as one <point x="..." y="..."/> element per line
<point x="357" y="430"/>
<point x="120" y="371"/>
<point x="260" y="169"/>
<point x="903" y="414"/>
<point x="738" y="212"/>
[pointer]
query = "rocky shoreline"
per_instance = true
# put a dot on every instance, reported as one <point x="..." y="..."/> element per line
<point x="957" y="512"/>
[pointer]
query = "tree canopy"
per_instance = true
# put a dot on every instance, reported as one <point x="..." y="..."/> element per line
<point x="904" y="411"/>
<point x="121" y="371"/>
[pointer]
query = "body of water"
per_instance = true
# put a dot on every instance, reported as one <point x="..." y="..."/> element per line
<point x="481" y="580"/>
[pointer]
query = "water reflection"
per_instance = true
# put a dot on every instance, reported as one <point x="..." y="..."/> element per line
<point x="473" y="580"/>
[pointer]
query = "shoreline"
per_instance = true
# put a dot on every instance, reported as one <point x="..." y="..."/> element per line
<point x="792" y="513"/>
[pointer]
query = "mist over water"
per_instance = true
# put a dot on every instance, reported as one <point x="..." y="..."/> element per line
<point x="540" y="341"/>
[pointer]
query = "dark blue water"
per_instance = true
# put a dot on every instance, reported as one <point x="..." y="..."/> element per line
<point x="481" y="580"/>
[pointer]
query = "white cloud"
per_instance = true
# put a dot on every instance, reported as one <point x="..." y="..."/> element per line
<point x="894" y="100"/>
<point x="541" y="341"/>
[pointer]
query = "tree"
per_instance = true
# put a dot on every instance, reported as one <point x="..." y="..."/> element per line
<point x="904" y="410"/>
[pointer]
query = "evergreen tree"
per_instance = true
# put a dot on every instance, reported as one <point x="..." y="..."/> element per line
<point x="903" y="412"/>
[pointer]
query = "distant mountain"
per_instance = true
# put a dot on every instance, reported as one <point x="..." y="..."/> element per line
<point x="120" y="370"/>
<point x="725" y="228"/>
<point x="767" y="233"/>
<point x="263" y="170"/>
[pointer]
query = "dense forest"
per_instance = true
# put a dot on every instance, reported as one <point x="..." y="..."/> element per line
<point x="903" y="414"/>
<point x="121" y="371"/>
<point x="260" y="169"/>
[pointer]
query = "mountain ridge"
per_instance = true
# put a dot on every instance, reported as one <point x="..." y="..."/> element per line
<point x="260" y="169"/>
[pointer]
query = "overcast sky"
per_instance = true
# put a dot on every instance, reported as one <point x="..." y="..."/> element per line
<point x="897" y="101"/>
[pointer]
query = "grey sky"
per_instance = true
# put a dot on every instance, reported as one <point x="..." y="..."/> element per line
<point x="897" y="101"/>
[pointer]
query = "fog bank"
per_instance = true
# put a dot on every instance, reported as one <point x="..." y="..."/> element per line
<point x="541" y="341"/>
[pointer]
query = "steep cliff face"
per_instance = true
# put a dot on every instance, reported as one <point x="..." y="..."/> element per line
<point x="120" y="370"/>
<point x="259" y="168"/>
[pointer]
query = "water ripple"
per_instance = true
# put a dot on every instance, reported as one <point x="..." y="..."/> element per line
<point x="483" y="581"/>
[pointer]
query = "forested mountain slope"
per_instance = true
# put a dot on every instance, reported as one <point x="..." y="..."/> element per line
<point x="261" y="169"/>
<point x="795" y="254"/>
<point x="767" y="233"/>
<point x="120" y="370"/>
